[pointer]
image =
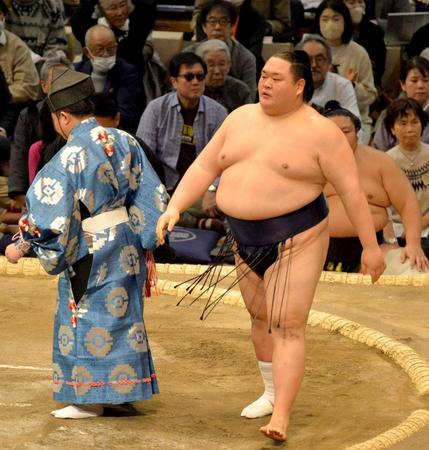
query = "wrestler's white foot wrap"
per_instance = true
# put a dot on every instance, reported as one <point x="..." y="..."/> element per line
<point x="263" y="406"/>
<point x="78" y="412"/>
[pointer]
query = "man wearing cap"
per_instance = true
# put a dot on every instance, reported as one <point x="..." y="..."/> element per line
<point x="91" y="218"/>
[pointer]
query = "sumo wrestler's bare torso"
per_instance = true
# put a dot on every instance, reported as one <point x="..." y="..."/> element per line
<point x="372" y="184"/>
<point x="269" y="164"/>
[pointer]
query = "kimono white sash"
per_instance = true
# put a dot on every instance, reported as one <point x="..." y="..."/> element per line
<point x="105" y="220"/>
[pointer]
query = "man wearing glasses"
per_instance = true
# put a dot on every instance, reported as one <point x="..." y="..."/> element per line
<point x="111" y="74"/>
<point x="131" y="22"/>
<point x="178" y="125"/>
<point x="327" y="85"/>
<point x="218" y="19"/>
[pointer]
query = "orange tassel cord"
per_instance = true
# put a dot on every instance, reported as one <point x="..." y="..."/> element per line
<point x="151" y="275"/>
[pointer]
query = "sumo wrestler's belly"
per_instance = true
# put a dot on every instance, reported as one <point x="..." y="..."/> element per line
<point x="265" y="198"/>
<point x="339" y="222"/>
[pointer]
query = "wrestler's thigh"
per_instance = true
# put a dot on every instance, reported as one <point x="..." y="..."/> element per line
<point x="252" y="290"/>
<point x="290" y="288"/>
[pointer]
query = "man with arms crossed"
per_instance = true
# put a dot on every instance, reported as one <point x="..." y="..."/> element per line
<point x="275" y="157"/>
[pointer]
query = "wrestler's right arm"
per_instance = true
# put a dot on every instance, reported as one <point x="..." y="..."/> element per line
<point x="194" y="183"/>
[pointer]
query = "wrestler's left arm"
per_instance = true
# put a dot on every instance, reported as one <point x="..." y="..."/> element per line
<point x="339" y="168"/>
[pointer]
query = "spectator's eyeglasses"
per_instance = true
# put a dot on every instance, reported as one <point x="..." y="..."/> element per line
<point x="222" y="21"/>
<point x="101" y="51"/>
<point x="190" y="76"/>
<point x="318" y="59"/>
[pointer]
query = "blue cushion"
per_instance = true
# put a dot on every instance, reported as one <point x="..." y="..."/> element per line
<point x="193" y="245"/>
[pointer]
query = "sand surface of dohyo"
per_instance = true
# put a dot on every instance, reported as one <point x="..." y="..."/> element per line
<point x="207" y="373"/>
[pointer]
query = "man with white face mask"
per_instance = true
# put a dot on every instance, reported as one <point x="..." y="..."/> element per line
<point x="111" y="74"/>
<point x="130" y="20"/>
<point x="369" y="35"/>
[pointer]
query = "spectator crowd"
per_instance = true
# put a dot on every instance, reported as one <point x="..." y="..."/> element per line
<point x="173" y="108"/>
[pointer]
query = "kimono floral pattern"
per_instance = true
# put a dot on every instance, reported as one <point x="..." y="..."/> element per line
<point x="49" y="191"/>
<point x="74" y="159"/>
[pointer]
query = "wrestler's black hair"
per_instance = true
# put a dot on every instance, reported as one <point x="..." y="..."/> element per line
<point x="301" y="69"/>
<point x="418" y="63"/>
<point x="185" y="59"/>
<point x="401" y="107"/>
<point x="318" y="108"/>
<point x="226" y="7"/>
<point x="339" y="7"/>
<point x="334" y="109"/>
<point x="105" y="105"/>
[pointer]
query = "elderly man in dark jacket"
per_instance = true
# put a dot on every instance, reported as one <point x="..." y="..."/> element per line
<point x="111" y="74"/>
<point x="131" y="22"/>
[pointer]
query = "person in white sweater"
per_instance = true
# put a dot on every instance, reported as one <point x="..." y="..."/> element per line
<point x="405" y="119"/>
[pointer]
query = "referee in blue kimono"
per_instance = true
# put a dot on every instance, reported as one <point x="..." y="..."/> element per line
<point x="92" y="212"/>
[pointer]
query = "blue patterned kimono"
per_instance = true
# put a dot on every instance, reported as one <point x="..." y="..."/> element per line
<point x="100" y="351"/>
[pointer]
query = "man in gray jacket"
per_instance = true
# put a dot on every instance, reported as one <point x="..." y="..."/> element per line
<point x="178" y="125"/>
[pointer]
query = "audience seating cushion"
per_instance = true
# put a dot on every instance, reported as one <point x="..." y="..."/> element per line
<point x="192" y="245"/>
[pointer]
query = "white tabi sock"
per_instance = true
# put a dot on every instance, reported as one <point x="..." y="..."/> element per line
<point x="78" y="412"/>
<point x="263" y="406"/>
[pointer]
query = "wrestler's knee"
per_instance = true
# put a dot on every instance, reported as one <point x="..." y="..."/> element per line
<point x="258" y="312"/>
<point x="289" y="330"/>
<point x="259" y="323"/>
